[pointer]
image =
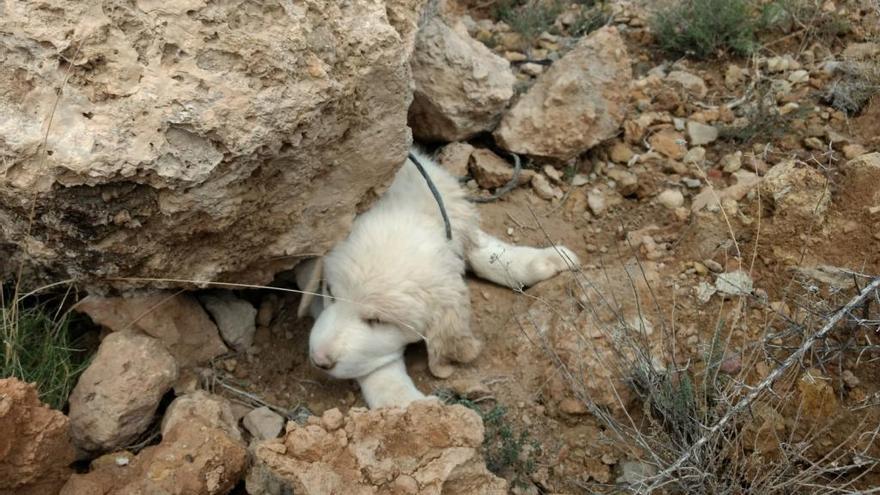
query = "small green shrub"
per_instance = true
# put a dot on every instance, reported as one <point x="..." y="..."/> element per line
<point x="509" y="453"/>
<point x="529" y="17"/>
<point x="37" y="348"/>
<point x="702" y="28"/>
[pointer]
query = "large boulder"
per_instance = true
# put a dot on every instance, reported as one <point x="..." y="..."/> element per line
<point x="195" y="140"/>
<point x="461" y="86"/>
<point x="579" y="102"/>
<point x="35" y="448"/>
<point x="201" y="453"/>
<point x="427" y="448"/>
<point x="116" y="397"/>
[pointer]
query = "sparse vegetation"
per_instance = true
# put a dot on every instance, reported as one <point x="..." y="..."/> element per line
<point x="38" y="348"/>
<point x="762" y="118"/>
<point x="703" y="28"/>
<point x="853" y="90"/>
<point x="509" y="453"/>
<point x="529" y="17"/>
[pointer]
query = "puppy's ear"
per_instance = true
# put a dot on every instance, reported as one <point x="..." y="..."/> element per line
<point x="449" y="338"/>
<point x="308" y="278"/>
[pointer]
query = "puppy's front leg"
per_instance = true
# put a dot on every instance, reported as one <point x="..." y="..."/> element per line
<point x="389" y="386"/>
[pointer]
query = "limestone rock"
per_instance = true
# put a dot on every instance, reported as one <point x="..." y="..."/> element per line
<point x="236" y="318"/>
<point x="491" y="171"/>
<point x="671" y="198"/>
<point x="212" y="410"/>
<point x="700" y="133"/>
<point x="427" y="448"/>
<point x="197" y="456"/>
<point x="177" y="320"/>
<point x="692" y="83"/>
<point x="577" y="103"/>
<point x="194" y="140"/>
<point x="455" y="158"/>
<point x="670" y="143"/>
<point x="35" y="448"/>
<point x="263" y="423"/>
<point x="461" y="86"/>
<point x="117" y="395"/>
<point x="796" y="192"/>
<point x="862" y="179"/>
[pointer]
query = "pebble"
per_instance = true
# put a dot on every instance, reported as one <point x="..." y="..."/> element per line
<point x="671" y="198"/>
<point x="532" y="69"/>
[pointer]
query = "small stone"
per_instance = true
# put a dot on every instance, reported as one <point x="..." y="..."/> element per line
<point x="789" y="108"/>
<point x="580" y="180"/>
<point x="713" y="265"/>
<point x="544" y="189"/>
<point x="620" y="152"/>
<point x="627" y="182"/>
<point x="782" y="64"/>
<point x="852" y="151"/>
<point x="332" y="419"/>
<point x="490" y="170"/>
<point x="532" y="69"/>
<point x="692" y="183"/>
<point x="669" y="143"/>
<point x="851" y="380"/>
<point x="737" y="283"/>
<point x="263" y="423"/>
<point x="700" y="268"/>
<point x="734" y="76"/>
<point x="596" y="202"/>
<point x="455" y="157"/>
<point x="731" y="162"/>
<point x="671" y="198"/>
<point x="695" y="155"/>
<point x="554" y="174"/>
<point x="814" y="143"/>
<point x="692" y="83"/>
<point x="701" y="134"/>
<point x="266" y="313"/>
<point x="515" y="56"/>
<point x="799" y="77"/>
<point x="236" y="318"/>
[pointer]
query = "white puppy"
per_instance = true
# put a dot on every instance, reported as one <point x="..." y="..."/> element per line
<point x="396" y="279"/>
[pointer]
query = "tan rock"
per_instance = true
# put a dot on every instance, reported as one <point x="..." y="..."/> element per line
<point x="116" y="397"/>
<point x="455" y="158"/>
<point x="35" y="447"/>
<point x="461" y="86"/>
<point x="236" y="318"/>
<point x="671" y="199"/>
<point x="197" y="455"/>
<point x="544" y="189"/>
<point x="620" y="152"/>
<point x="577" y="103"/>
<point x="491" y="171"/>
<point x="177" y="320"/>
<point x="670" y="143"/>
<point x="427" y="448"/>
<point x="692" y="83"/>
<point x="190" y="149"/>
<point x="796" y="192"/>
<point x="701" y="134"/>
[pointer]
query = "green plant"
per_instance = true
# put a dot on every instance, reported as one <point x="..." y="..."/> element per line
<point x="703" y="28"/>
<point x="508" y="452"/>
<point x="529" y="17"/>
<point x="590" y="18"/>
<point x="37" y="347"/>
<point x="762" y="119"/>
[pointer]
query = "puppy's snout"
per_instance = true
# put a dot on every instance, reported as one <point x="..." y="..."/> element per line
<point x="323" y="361"/>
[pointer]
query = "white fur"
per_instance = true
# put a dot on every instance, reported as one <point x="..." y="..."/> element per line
<point x="396" y="280"/>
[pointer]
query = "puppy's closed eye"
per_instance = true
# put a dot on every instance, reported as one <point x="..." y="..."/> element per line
<point x="374" y="321"/>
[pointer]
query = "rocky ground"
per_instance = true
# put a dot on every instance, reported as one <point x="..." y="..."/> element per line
<point x="722" y="209"/>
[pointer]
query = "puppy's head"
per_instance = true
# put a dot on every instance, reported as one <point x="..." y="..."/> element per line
<point x="361" y="323"/>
